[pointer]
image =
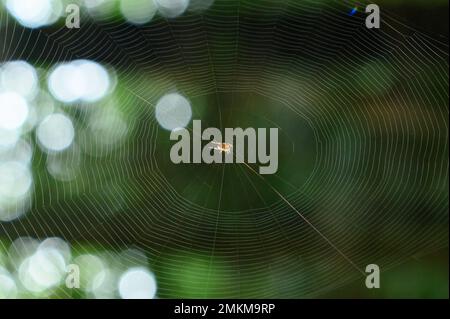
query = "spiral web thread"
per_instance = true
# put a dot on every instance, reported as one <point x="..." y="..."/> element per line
<point x="381" y="168"/>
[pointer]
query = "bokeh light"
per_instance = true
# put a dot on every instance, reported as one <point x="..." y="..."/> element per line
<point x="172" y="8"/>
<point x="80" y="80"/>
<point x="15" y="188"/>
<point x="15" y="180"/>
<point x="42" y="270"/>
<point x="64" y="166"/>
<point x="96" y="80"/>
<point x="94" y="271"/>
<point x="90" y="4"/>
<point x="138" y="11"/>
<point x="34" y="268"/>
<point x="13" y="110"/>
<point x="35" y="13"/>
<point x="137" y="283"/>
<point x="19" y="77"/>
<point x="56" y="133"/>
<point x="106" y="130"/>
<point x="21" y="151"/>
<point x="173" y="111"/>
<point x="8" y="138"/>
<point x="8" y="288"/>
<point x="21" y="248"/>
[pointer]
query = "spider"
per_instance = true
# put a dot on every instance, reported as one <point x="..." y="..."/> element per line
<point x="222" y="147"/>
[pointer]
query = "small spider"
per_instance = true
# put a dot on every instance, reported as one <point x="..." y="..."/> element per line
<point x="222" y="147"/>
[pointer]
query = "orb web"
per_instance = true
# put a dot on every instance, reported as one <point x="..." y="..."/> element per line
<point x="367" y="126"/>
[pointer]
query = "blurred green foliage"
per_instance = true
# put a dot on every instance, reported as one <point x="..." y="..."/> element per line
<point x="246" y="251"/>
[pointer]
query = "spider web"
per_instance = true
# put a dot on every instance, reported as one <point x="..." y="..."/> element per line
<point x="370" y="108"/>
